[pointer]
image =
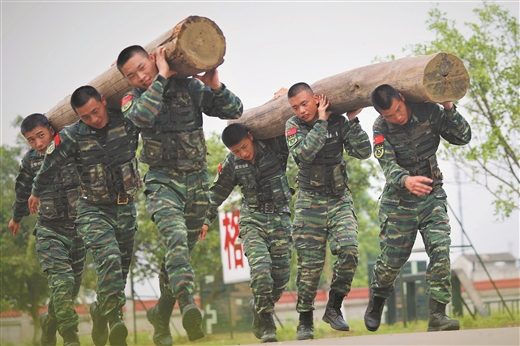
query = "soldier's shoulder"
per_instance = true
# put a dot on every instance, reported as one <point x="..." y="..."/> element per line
<point x="380" y="123"/>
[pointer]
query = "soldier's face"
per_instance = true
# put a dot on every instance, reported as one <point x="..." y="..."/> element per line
<point x="305" y="106"/>
<point x="40" y="138"/>
<point x="140" y="70"/>
<point x="398" y="113"/>
<point x="245" y="149"/>
<point x="94" y="113"/>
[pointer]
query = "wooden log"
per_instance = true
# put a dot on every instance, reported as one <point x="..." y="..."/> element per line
<point x="436" y="78"/>
<point x="193" y="46"/>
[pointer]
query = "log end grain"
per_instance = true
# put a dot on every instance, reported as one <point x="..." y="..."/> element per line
<point x="445" y="78"/>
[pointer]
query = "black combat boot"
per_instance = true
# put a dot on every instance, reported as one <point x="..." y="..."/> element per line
<point x="269" y="332"/>
<point x="117" y="328"/>
<point x="438" y="320"/>
<point x="305" y="329"/>
<point x="333" y="315"/>
<point x="99" y="325"/>
<point x="374" y="311"/>
<point x="70" y="337"/>
<point x="159" y="317"/>
<point x="49" y="326"/>
<point x="191" y="317"/>
<point x="257" y="325"/>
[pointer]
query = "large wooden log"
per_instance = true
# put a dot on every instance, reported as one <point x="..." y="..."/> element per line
<point x="436" y="78"/>
<point x="193" y="46"/>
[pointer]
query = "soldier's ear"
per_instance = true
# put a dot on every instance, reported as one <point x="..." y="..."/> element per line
<point x="250" y="135"/>
<point x="402" y="97"/>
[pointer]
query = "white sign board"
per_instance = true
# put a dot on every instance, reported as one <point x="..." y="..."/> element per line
<point x="234" y="261"/>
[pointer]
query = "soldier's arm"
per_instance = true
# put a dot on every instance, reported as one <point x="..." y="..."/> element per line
<point x="451" y="125"/>
<point x="22" y="189"/>
<point x="304" y="146"/>
<point x="221" y="103"/>
<point x="356" y="141"/>
<point x="54" y="160"/>
<point x="143" y="109"/>
<point x="384" y="152"/>
<point x="223" y="185"/>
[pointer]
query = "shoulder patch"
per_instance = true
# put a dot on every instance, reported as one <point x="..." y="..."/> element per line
<point x="379" y="150"/>
<point x="126" y="102"/>
<point x="291" y="131"/>
<point x="219" y="169"/>
<point x="51" y="148"/>
<point x="379" y="139"/>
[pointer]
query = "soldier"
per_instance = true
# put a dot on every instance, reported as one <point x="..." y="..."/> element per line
<point x="61" y="250"/>
<point x="103" y="145"/>
<point x="406" y="138"/>
<point x="324" y="207"/>
<point x="258" y="167"/>
<point x="169" y="112"/>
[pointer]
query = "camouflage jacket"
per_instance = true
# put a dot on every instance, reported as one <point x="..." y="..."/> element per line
<point x="306" y="142"/>
<point x="265" y="177"/>
<point x="410" y="149"/>
<point x="79" y="141"/>
<point x="169" y="113"/>
<point x="59" y="198"/>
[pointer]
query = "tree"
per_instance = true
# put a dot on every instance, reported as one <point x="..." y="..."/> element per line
<point x="491" y="54"/>
<point x="23" y="284"/>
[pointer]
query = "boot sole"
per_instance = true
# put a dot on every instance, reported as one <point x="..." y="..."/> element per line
<point x="309" y="337"/>
<point x="446" y="327"/>
<point x="118" y="334"/>
<point x="271" y="338"/>
<point x="191" y="321"/>
<point x="335" y="326"/>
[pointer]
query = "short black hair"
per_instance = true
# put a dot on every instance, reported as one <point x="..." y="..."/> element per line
<point x="382" y="97"/>
<point x="233" y="134"/>
<point x="127" y="53"/>
<point x="82" y="95"/>
<point x="33" y="121"/>
<point x="298" y="88"/>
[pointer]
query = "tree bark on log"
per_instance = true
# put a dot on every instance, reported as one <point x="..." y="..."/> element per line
<point x="435" y="78"/>
<point x="193" y="46"/>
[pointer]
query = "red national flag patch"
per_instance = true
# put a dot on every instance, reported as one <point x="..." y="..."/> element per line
<point x="57" y="139"/>
<point x="379" y="139"/>
<point x="219" y="169"/>
<point x="291" y="132"/>
<point x="126" y="99"/>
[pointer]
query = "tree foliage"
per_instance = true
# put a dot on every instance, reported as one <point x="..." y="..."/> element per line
<point x="489" y="49"/>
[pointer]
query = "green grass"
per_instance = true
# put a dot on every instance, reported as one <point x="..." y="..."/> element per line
<point x="323" y="330"/>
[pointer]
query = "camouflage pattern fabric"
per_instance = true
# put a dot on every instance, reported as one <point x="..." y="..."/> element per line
<point x="320" y="219"/>
<point x="177" y="193"/>
<point x="62" y="258"/>
<point x="177" y="202"/>
<point x="108" y="231"/>
<point x="108" y="228"/>
<point x="266" y="237"/>
<point x="267" y="245"/>
<point x="402" y="213"/>
<point x="60" y="251"/>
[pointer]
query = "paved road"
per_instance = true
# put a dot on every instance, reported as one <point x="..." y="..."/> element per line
<point x="490" y="337"/>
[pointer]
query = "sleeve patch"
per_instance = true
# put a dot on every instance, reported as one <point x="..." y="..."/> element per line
<point x="219" y="169"/>
<point x="379" y="139"/>
<point x="126" y="102"/>
<point x="57" y="139"/>
<point x="291" y="132"/>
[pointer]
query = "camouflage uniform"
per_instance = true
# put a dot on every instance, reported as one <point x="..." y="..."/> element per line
<point x="61" y="251"/>
<point x="169" y="114"/>
<point x="324" y="207"/>
<point x="410" y="150"/>
<point x="109" y="179"/>
<point x="264" y="218"/>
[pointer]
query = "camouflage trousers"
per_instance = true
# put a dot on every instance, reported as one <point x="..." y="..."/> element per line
<point x="61" y="254"/>
<point x="399" y="225"/>
<point x="177" y="202"/>
<point x="319" y="219"/>
<point x="266" y="239"/>
<point x="108" y="231"/>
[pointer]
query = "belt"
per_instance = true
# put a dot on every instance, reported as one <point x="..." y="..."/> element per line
<point x="124" y="199"/>
<point x="268" y="208"/>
